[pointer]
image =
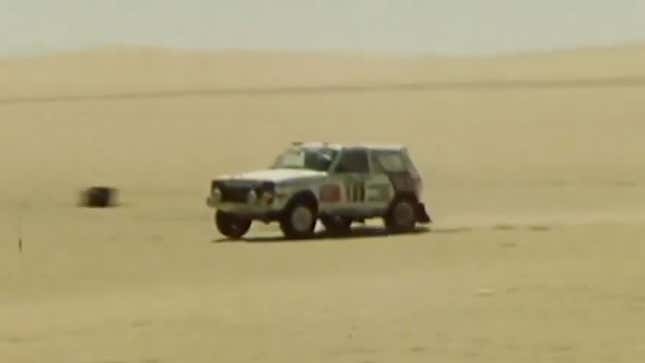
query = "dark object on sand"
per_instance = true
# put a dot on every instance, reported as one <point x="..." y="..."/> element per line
<point x="99" y="197"/>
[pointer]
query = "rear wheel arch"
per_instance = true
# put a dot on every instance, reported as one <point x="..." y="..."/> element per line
<point x="403" y="195"/>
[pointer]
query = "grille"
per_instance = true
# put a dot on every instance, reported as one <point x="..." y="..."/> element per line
<point x="237" y="191"/>
<point x="235" y="194"/>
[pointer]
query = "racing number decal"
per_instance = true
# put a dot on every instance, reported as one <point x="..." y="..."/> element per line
<point x="355" y="191"/>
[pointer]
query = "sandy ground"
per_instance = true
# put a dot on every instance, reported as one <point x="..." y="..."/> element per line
<point x="538" y="195"/>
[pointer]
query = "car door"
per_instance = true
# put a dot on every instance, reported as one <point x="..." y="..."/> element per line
<point x="351" y="174"/>
<point x="379" y="190"/>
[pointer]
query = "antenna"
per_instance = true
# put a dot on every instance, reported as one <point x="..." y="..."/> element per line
<point x="20" y="210"/>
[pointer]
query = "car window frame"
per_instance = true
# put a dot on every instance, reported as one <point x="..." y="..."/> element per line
<point x="342" y="153"/>
<point x="378" y="166"/>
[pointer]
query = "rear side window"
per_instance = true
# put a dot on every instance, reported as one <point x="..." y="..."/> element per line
<point x="389" y="162"/>
<point x="353" y="161"/>
<point x="410" y="165"/>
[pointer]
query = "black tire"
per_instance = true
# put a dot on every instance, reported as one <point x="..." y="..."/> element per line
<point x="401" y="216"/>
<point x="99" y="197"/>
<point x="231" y="225"/>
<point x="299" y="219"/>
<point x="337" y="225"/>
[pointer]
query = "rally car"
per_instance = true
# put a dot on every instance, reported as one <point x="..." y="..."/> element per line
<point x="336" y="184"/>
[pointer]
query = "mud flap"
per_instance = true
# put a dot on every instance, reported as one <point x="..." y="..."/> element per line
<point x="421" y="214"/>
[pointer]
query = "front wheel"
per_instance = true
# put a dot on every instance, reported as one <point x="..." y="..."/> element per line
<point x="401" y="217"/>
<point x="298" y="220"/>
<point x="231" y="225"/>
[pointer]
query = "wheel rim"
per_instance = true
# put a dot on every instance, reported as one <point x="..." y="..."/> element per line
<point x="237" y="226"/>
<point x="301" y="219"/>
<point x="403" y="214"/>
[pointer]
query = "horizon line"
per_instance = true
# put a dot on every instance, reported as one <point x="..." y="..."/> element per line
<point x="124" y="46"/>
<point x="491" y="85"/>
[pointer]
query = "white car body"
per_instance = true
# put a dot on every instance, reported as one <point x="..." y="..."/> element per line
<point x="366" y="191"/>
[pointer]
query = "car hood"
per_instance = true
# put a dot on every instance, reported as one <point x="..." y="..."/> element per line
<point x="274" y="175"/>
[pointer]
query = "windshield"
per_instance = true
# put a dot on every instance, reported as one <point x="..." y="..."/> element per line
<point x="318" y="159"/>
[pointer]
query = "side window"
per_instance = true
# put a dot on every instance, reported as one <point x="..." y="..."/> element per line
<point x="389" y="162"/>
<point x="353" y="161"/>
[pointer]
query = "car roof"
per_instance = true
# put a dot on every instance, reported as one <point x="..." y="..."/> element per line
<point x="318" y="144"/>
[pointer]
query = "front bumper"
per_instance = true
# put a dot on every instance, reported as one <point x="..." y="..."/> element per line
<point x="265" y="212"/>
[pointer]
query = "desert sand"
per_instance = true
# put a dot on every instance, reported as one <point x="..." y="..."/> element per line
<point x="538" y="196"/>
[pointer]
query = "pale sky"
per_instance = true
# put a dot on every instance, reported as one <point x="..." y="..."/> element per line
<point x="426" y="26"/>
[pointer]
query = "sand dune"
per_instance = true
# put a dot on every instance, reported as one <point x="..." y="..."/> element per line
<point x="538" y="196"/>
<point x="135" y="70"/>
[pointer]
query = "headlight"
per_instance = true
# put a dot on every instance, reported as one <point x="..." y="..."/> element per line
<point x="267" y="197"/>
<point x="216" y="193"/>
<point x="267" y="193"/>
<point x="252" y="197"/>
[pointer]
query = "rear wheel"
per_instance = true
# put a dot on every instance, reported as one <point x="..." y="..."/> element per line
<point x="337" y="225"/>
<point x="299" y="219"/>
<point x="230" y="225"/>
<point x="401" y="216"/>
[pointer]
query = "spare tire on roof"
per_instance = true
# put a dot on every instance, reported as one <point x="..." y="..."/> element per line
<point x="99" y="197"/>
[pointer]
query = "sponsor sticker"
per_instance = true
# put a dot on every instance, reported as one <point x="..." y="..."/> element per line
<point x="378" y="193"/>
<point x="330" y="193"/>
